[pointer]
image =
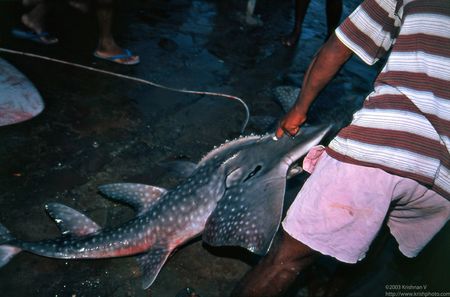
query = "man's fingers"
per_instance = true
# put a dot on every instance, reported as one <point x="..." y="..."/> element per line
<point x="289" y="132"/>
<point x="279" y="133"/>
<point x="293" y="131"/>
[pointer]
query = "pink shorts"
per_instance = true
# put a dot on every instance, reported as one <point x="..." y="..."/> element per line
<point x="342" y="206"/>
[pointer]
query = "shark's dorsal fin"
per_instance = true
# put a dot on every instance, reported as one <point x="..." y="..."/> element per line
<point x="237" y="219"/>
<point x="140" y="197"/>
<point x="230" y="146"/>
<point x="151" y="263"/>
<point x="71" y="221"/>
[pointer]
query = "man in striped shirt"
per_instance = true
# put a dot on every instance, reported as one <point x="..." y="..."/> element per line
<point x="391" y="164"/>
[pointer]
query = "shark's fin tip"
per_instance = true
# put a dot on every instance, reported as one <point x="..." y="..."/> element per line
<point x="151" y="263"/>
<point x="71" y="221"/>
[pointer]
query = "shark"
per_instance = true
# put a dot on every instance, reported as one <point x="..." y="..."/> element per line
<point x="232" y="197"/>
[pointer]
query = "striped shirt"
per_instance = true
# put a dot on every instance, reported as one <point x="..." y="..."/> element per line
<point x="404" y="125"/>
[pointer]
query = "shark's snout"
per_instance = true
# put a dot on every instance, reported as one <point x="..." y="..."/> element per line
<point x="307" y="138"/>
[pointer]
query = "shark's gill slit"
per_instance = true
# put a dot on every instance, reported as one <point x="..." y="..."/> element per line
<point x="251" y="174"/>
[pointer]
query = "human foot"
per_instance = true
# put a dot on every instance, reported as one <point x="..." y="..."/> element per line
<point x="125" y="57"/>
<point x="33" y="21"/>
<point x="33" y="30"/>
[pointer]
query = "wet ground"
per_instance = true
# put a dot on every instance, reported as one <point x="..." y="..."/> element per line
<point x="99" y="129"/>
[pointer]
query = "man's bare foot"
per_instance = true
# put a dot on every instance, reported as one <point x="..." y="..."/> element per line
<point x="37" y="33"/>
<point x="32" y="22"/>
<point x="124" y="56"/>
<point x="108" y="49"/>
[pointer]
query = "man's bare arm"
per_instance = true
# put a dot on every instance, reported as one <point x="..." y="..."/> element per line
<point x="321" y="71"/>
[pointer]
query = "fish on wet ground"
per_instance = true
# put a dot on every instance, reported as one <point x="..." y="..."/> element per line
<point x="234" y="196"/>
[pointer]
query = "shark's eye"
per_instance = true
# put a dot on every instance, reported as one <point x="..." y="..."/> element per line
<point x="257" y="168"/>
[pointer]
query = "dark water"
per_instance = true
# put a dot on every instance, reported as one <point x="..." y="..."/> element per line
<point x="98" y="129"/>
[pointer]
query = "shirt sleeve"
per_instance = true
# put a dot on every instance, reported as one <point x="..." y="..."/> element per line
<point x="371" y="29"/>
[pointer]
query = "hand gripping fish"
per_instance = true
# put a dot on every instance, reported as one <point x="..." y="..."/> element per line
<point x="234" y="196"/>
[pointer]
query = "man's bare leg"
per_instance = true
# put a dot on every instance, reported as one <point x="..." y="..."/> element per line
<point x="278" y="270"/>
<point x="107" y="46"/>
<point x="301" y="6"/>
<point x="35" y="19"/>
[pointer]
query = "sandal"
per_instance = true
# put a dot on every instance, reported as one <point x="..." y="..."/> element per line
<point x="26" y="34"/>
<point x="124" y="59"/>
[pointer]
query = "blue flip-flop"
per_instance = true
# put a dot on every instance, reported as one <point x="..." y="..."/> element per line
<point x="42" y="38"/>
<point x="116" y="59"/>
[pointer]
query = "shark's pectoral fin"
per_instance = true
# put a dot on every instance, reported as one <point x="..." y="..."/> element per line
<point x="151" y="263"/>
<point x="247" y="216"/>
<point x="71" y="221"/>
<point x="140" y="197"/>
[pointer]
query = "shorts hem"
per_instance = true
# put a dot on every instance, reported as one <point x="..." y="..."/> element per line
<point x="406" y="252"/>
<point x="324" y="250"/>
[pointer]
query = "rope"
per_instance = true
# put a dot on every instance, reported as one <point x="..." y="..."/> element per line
<point x="247" y="111"/>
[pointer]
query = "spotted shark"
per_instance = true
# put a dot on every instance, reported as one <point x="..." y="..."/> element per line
<point x="233" y="196"/>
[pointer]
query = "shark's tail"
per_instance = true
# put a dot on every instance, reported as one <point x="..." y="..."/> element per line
<point x="6" y="251"/>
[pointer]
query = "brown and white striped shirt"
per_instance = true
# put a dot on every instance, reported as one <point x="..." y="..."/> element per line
<point x="404" y="125"/>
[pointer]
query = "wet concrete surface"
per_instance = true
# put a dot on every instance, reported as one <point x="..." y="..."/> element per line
<point x="98" y="129"/>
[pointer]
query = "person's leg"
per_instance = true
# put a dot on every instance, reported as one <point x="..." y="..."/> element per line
<point x="334" y="13"/>
<point x="278" y="270"/>
<point x="35" y="19"/>
<point x="301" y="6"/>
<point x="107" y="46"/>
